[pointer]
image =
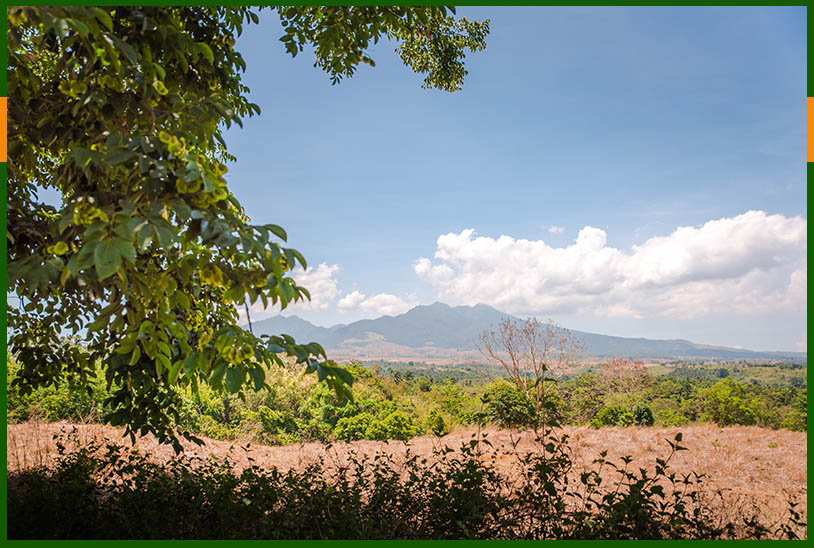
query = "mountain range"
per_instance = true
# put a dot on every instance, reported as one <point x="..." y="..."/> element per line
<point x="442" y="332"/>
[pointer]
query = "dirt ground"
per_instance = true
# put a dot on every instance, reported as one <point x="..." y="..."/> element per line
<point x="744" y="465"/>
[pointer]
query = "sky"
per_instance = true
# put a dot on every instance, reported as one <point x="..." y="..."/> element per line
<point x="635" y="172"/>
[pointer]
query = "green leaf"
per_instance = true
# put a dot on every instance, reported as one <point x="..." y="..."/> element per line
<point x="234" y="379"/>
<point x="162" y="362"/>
<point x="103" y="17"/>
<point x="236" y="294"/>
<point x="190" y="362"/>
<point x="343" y="374"/>
<point x="136" y="355"/>
<point x="258" y="376"/>
<point x="277" y="231"/>
<point x="127" y="49"/>
<point x="217" y="375"/>
<point x="117" y="156"/>
<point x="299" y="257"/>
<point x="107" y="259"/>
<point x="206" y="51"/>
<point x="164" y="347"/>
<point x="125" y="249"/>
<point x="81" y="156"/>
<point x="173" y="371"/>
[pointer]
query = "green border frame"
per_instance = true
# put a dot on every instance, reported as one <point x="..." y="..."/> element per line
<point x="3" y="190"/>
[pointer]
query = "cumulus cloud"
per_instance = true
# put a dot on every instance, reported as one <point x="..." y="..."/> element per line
<point x="554" y="229"/>
<point x="320" y="283"/>
<point x="751" y="263"/>
<point x="351" y="300"/>
<point x="387" y="304"/>
<point x="381" y="304"/>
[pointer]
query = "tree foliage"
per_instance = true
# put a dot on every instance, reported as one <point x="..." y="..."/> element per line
<point x="149" y="255"/>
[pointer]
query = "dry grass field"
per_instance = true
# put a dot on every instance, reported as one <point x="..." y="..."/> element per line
<point x="745" y="467"/>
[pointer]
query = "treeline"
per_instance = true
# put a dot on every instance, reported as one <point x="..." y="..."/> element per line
<point x="401" y="405"/>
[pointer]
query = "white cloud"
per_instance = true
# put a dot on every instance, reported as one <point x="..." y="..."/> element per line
<point x="751" y="263"/>
<point x="554" y="229"/>
<point x="381" y="304"/>
<point x="351" y="300"/>
<point x="320" y="283"/>
<point x="387" y="304"/>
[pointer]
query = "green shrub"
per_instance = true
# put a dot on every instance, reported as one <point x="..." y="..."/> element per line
<point x="725" y="403"/>
<point x="795" y="420"/>
<point x="643" y="415"/>
<point x="435" y="423"/>
<point x="396" y="426"/>
<point x="509" y="406"/>
<point x="277" y="422"/>
<point x="352" y="428"/>
<point x="614" y="415"/>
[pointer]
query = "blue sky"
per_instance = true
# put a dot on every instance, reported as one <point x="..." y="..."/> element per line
<point x="554" y="184"/>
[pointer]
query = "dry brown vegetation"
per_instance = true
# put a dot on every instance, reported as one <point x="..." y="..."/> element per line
<point x="744" y="466"/>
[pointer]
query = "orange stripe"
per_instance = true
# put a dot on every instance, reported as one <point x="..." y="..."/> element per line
<point x="810" y="154"/>
<point x="4" y="131"/>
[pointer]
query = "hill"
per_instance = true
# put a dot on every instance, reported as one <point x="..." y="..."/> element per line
<point x="440" y="331"/>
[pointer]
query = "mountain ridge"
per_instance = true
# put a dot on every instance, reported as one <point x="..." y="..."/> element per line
<point x="440" y="330"/>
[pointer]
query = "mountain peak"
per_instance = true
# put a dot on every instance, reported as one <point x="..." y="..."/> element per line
<point x="445" y="332"/>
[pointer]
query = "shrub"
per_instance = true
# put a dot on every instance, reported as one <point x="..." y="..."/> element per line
<point x="396" y="426"/>
<point x="276" y="422"/>
<point x="725" y="403"/>
<point x="795" y="420"/>
<point x="352" y="428"/>
<point x="435" y="423"/>
<point x="643" y="415"/>
<point x="508" y="406"/>
<point x="614" y="415"/>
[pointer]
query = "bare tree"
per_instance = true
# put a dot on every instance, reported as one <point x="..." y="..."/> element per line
<point x="532" y="354"/>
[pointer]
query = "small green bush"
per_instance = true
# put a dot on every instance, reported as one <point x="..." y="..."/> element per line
<point x="435" y="423"/>
<point x="353" y="428"/>
<point x="643" y="415"/>
<point x="396" y="426"/>
<point x="509" y="406"/>
<point x="614" y="415"/>
<point x="795" y="420"/>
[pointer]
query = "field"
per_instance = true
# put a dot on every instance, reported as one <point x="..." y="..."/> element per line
<point x="745" y="466"/>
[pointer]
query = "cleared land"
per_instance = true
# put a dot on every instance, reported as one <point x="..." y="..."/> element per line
<point x="744" y="466"/>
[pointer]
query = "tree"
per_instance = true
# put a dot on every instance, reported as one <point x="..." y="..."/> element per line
<point x="533" y="355"/>
<point x="121" y="111"/>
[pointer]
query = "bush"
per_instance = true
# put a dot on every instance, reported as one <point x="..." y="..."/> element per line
<point x="396" y="426"/>
<point x="725" y="404"/>
<point x="614" y="415"/>
<point x="435" y="423"/>
<point x="353" y="428"/>
<point x="509" y="406"/>
<point x="643" y="415"/>
<point x="795" y="420"/>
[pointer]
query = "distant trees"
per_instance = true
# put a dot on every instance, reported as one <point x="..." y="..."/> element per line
<point x="533" y="355"/>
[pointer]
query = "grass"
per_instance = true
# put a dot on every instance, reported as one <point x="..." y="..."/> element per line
<point x="744" y="478"/>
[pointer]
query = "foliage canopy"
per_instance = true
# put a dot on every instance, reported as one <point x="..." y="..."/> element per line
<point x="121" y="111"/>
